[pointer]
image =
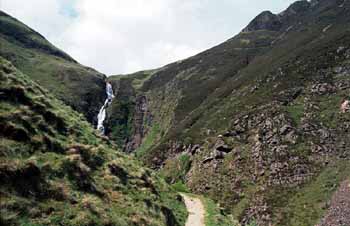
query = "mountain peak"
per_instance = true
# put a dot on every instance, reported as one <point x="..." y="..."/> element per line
<point x="264" y="21"/>
<point x="274" y="22"/>
<point x="298" y="7"/>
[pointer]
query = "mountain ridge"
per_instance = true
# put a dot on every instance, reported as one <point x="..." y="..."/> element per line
<point x="23" y="36"/>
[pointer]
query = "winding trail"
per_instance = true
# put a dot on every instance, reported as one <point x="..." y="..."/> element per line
<point x="195" y="209"/>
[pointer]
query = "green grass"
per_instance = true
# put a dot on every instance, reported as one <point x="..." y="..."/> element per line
<point x="296" y="112"/>
<point x="139" y="80"/>
<point x="120" y="121"/>
<point x="213" y="215"/>
<point x="329" y="112"/>
<point x="252" y="223"/>
<point x="179" y="186"/>
<point x="175" y="170"/>
<point x="150" y="139"/>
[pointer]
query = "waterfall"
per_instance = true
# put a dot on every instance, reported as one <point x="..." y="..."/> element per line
<point x="102" y="113"/>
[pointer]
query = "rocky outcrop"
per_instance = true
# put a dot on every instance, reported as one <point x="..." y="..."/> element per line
<point x="275" y="146"/>
<point x="219" y="150"/>
<point x="322" y="88"/>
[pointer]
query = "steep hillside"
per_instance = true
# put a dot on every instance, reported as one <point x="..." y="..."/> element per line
<point x="254" y="123"/>
<point x="78" y="86"/>
<point x="55" y="170"/>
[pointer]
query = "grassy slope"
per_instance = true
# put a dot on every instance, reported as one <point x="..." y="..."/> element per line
<point x="176" y="90"/>
<point x="179" y="93"/>
<point x="190" y="97"/>
<point x="196" y="99"/>
<point x="301" y="205"/>
<point x="55" y="170"/>
<point x="78" y="86"/>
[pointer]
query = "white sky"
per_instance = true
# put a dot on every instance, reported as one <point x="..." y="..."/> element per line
<point x="123" y="36"/>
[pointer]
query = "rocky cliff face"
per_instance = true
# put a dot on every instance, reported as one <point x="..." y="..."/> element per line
<point x="141" y="119"/>
<point x="258" y="117"/>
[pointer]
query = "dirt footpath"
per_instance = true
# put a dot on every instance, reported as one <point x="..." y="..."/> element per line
<point x="195" y="210"/>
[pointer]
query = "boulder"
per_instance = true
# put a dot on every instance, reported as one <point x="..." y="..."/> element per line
<point x="291" y="137"/>
<point x="285" y="129"/>
<point x="221" y="146"/>
<point x="345" y="106"/>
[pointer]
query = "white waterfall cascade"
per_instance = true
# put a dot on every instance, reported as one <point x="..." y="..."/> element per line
<point x="102" y="113"/>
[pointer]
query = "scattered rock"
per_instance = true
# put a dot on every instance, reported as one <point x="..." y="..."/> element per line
<point x="340" y="49"/>
<point x="322" y="88"/>
<point x="221" y="146"/>
<point x="345" y="106"/>
<point x="285" y="129"/>
<point x="196" y="148"/>
<point x="206" y="160"/>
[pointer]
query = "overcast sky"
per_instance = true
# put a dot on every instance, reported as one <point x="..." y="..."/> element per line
<point x="123" y="36"/>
